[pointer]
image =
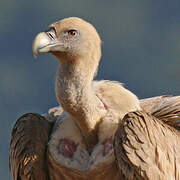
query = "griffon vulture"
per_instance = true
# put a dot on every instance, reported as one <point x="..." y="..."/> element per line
<point x="100" y="130"/>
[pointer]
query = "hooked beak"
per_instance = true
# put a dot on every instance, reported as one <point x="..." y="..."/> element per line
<point x="45" y="42"/>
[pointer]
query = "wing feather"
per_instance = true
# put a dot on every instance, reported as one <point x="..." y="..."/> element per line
<point x="165" y="108"/>
<point x="29" y="139"/>
<point x="149" y="104"/>
<point x="147" y="148"/>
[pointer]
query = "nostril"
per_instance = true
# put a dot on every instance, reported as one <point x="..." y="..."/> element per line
<point x="51" y="33"/>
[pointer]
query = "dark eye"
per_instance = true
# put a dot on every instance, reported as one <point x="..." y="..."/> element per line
<point x="72" y="32"/>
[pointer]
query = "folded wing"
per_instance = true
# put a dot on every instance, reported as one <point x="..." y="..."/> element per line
<point x="146" y="142"/>
<point x="28" y="145"/>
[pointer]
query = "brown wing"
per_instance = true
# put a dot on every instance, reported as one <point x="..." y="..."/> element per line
<point x="28" y="148"/>
<point x="145" y="146"/>
<point x="149" y="104"/>
<point x="165" y="108"/>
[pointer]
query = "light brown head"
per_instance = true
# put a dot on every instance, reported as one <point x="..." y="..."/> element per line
<point x="69" y="40"/>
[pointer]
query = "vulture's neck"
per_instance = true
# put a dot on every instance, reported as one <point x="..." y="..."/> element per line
<point x="75" y="93"/>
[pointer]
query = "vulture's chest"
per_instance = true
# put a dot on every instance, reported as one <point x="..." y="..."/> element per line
<point x="69" y="158"/>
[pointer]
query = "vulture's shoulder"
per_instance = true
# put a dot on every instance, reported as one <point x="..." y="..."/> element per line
<point x="116" y="96"/>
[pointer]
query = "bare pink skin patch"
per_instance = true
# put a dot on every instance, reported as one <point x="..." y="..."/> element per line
<point x="104" y="106"/>
<point x="108" y="145"/>
<point x="67" y="147"/>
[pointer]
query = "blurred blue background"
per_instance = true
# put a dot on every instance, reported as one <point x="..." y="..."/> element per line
<point x="141" y="48"/>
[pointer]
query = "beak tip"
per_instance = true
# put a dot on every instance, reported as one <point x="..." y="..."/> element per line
<point x="35" y="52"/>
<point x="41" y="40"/>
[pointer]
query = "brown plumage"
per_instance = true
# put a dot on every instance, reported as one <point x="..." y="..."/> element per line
<point x="28" y="147"/>
<point x="78" y="139"/>
<point x="145" y="146"/>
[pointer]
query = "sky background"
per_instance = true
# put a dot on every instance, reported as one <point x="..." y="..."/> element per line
<point x="141" y="48"/>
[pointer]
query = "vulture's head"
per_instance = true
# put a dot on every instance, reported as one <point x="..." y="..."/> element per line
<point x="69" y="39"/>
